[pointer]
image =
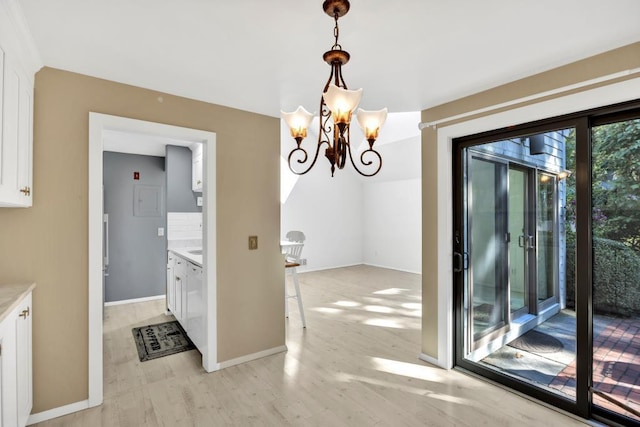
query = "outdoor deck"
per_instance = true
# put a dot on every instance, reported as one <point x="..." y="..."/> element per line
<point x="616" y="370"/>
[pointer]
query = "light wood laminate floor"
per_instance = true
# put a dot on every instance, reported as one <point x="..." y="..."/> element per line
<point x="356" y="364"/>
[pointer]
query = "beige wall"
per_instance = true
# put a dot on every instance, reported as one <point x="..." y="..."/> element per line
<point x="48" y="242"/>
<point x="615" y="61"/>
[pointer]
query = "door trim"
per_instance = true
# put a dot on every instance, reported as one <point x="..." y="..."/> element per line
<point x="97" y="124"/>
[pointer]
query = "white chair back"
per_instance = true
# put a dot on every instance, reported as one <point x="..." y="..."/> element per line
<point x="293" y="252"/>
<point x="296" y="236"/>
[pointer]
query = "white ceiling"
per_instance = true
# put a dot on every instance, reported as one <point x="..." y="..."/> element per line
<point x="264" y="56"/>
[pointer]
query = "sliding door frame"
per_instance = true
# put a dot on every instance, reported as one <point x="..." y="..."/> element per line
<point x="584" y="312"/>
<point x="459" y="146"/>
<point x="582" y="122"/>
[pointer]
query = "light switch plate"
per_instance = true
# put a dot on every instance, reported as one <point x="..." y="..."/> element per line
<point x="199" y="200"/>
<point x="253" y="243"/>
<point x="160" y="231"/>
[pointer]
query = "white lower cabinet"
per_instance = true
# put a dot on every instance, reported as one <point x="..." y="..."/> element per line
<point x="16" y="392"/>
<point x="185" y="297"/>
<point x="195" y="307"/>
<point x="24" y="361"/>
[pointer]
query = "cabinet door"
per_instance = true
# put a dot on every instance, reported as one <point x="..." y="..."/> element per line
<point x="7" y="365"/>
<point x="179" y="279"/>
<point x="1" y="387"/>
<point x="24" y="390"/>
<point x="195" y="309"/>
<point x="16" y="141"/>
<point x="15" y="366"/>
<point x="171" y="283"/>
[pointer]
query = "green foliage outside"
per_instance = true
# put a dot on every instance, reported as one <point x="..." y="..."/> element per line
<point x="615" y="216"/>
<point x="616" y="277"/>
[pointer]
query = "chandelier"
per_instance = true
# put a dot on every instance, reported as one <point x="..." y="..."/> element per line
<point x="338" y="104"/>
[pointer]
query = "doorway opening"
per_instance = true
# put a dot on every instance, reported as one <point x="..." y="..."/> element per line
<point x="99" y="124"/>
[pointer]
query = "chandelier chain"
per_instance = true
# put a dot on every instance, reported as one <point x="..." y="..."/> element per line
<point x="336" y="33"/>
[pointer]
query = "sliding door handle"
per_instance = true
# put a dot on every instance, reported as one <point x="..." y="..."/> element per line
<point x="458" y="262"/>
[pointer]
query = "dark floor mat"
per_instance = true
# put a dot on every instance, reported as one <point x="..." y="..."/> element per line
<point x="537" y="342"/>
<point x="160" y="340"/>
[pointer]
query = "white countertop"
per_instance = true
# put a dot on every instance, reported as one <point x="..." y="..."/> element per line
<point x="186" y="254"/>
<point x="11" y="295"/>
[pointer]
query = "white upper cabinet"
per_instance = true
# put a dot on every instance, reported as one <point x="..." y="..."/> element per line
<point x="196" y="168"/>
<point x="19" y="62"/>
<point x="16" y="142"/>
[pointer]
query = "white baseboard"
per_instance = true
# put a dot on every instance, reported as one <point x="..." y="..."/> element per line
<point x="393" y="268"/>
<point x="432" y="360"/>
<point x="133" y="301"/>
<point x="250" y="357"/>
<point x="57" y="412"/>
<point x="304" y="269"/>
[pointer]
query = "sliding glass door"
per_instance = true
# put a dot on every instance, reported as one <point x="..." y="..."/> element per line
<point x="508" y="243"/>
<point x="547" y="260"/>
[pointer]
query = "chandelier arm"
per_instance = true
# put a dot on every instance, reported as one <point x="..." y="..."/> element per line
<point x="367" y="163"/>
<point x="339" y="79"/>
<point x="325" y="127"/>
<point x="305" y="158"/>
<point x="326" y="86"/>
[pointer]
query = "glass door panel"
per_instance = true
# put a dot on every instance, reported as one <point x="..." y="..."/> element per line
<point x="546" y="235"/>
<point x="616" y="267"/>
<point x="487" y="188"/>
<point x="519" y="239"/>
<point x="514" y="240"/>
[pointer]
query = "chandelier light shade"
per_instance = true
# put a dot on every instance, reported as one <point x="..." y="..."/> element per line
<point x="337" y="106"/>
<point x="370" y="122"/>
<point x="298" y="123"/>
<point x="341" y="102"/>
